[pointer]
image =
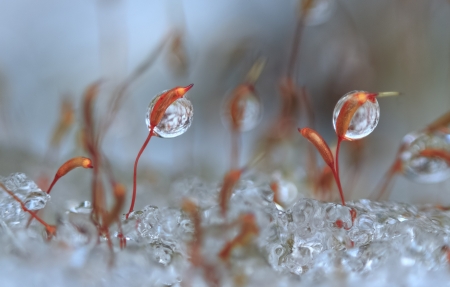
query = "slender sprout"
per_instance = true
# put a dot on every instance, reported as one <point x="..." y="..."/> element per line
<point x="157" y="113"/>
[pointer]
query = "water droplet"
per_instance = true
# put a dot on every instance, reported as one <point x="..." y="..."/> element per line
<point x="320" y="12"/>
<point x="36" y="200"/>
<point x="84" y="207"/>
<point x="424" y="169"/>
<point x="176" y="120"/>
<point x="364" y="120"/>
<point x="242" y="109"/>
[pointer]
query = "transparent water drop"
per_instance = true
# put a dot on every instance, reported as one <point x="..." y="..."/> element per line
<point x="176" y="120"/>
<point x="424" y="169"/>
<point x="364" y="120"/>
<point x="85" y="207"/>
<point x="320" y="12"/>
<point x="248" y="112"/>
<point x="36" y="200"/>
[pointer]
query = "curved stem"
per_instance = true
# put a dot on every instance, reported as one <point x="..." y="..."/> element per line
<point x="295" y="45"/>
<point x="380" y="192"/>
<point x="32" y="213"/>
<point x="336" y="171"/>
<point x="235" y="149"/>
<point x="133" y="198"/>
<point x="55" y="179"/>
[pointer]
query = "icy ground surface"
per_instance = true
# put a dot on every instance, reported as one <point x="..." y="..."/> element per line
<point x="311" y="243"/>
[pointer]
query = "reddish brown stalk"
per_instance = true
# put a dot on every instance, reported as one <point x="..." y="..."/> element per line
<point x="114" y="214"/>
<point x="276" y="192"/>
<point x="51" y="229"/>
<point x="159" y="109"/>
<point x="121" y="93"/>
<point x="197" y="259"/>
<point x="133" y="198"/>
<point x="344" y="118"/>
<point x="65" y="121"/>
<point x="229" y="182"/>
<point x="439" y="123"/>
<point x="249" y="229"/>
<point x="396" y="168"/>
<point x="191" y="209"/>
<point x="237" y="110"/>
<point x="305" y="7"/>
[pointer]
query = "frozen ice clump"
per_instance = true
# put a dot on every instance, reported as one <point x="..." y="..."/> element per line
<point x="26" y="190"/>
<point x="165" y="231"/>
<point x="203" y="193"/>
<point x="311" y="243"/>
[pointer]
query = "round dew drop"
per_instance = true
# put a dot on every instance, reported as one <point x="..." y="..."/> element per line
<point x="425" y="169"/>
<point x="248" y="111"/>
<point x="364" y="120"/>
<point x="176" y="120"/>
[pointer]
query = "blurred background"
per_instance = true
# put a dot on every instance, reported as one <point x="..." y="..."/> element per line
<point x="53" y="50"/>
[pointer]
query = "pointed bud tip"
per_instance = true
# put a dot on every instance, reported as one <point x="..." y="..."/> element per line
<point x="187" y="88"/>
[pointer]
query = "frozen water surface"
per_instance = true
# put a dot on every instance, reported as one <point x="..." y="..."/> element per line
<point x="310" y="243"/>
<point x="26" y="190"/>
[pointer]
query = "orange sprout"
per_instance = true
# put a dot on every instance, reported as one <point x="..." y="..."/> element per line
<point x="159" y="109"/>
<point x="68" y="166"/>
<point x="325" y="152"/>
<point x="320" y="145"/>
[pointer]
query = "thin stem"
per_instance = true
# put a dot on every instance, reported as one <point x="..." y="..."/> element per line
<point x="336" y="170"/>
<point x="133" y="198"/>
<point x="33" y="214"/>
<point x="296" y="44"/>
<point x="235" y="149"/>
<point x="55" y="179"/>
<point x="387" y="179"/>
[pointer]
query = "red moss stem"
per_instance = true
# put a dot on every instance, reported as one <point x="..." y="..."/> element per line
<point x="133" y="198"/>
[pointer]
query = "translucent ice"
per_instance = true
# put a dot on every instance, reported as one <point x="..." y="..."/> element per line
<point x="27" y="191"/>
<point x="364" y="120"/>
<point x="176" y="120"/>
<point x="425" y="169"/>
<point x="312" y="243"/>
